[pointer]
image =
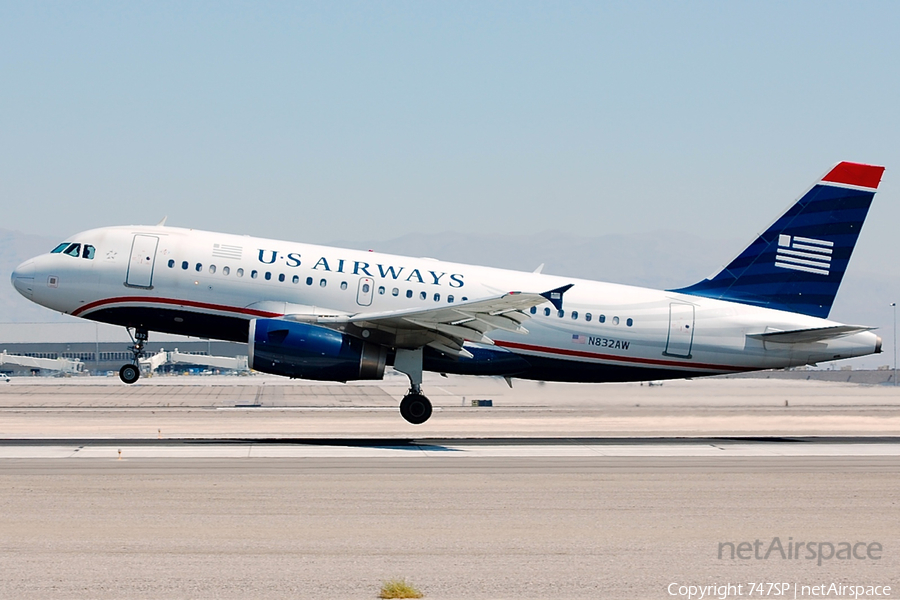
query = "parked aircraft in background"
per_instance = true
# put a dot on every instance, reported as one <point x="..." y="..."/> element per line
<point x="334" y="314"/>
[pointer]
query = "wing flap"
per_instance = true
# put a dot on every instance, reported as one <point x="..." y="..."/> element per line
<point x="448" y="327"/>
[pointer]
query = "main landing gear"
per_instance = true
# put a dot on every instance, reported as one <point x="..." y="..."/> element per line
<point x="131" y="372"/>
<point x="414" y="407"/>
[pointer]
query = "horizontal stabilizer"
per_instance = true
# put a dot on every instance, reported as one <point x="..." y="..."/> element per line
<point x="808" y="336"/>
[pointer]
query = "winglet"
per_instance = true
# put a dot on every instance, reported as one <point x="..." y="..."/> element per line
<point x="556" y="296"/>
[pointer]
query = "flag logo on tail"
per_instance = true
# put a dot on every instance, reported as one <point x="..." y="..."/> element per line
<point x="804" y="254"/>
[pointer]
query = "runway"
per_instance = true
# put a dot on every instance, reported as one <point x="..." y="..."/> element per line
<point x="540" y="496"/>
<point x="477" y="527"/>
<point x="436" y="450"/>
<point x="269" y="407"/>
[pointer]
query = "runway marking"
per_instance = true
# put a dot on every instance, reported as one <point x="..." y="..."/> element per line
<point x="313" y="408"/>
<point x="437" y="451"/>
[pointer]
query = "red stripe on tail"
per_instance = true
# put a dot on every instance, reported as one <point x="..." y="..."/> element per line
<point x="849" y="173"/>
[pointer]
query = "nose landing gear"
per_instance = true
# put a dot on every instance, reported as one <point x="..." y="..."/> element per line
<point x="131" y="372"/>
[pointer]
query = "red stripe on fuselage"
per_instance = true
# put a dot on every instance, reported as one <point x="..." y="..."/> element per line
<point x="628" y="359"/>
<point x="251" y="312"/>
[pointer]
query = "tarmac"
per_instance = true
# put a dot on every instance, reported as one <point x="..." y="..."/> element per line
<point x="270" y="407"/>
<point x="263" y="488"/>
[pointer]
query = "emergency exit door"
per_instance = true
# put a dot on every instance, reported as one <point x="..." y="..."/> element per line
<point x="140" y="266"/>
<point x="366" y="291"/>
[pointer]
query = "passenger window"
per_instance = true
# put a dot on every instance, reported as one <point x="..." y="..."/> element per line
<point x="281" y="277"/>
<point x="366" y="288"/>
<point x="268" y="275"/>
<point x="343" y="285"/>
<point x="464" y="298"/>
<point x="437" y="297"/>
<point x="615" y="320"/>
<point x="88" y="252"/>
<point x="295" y="279"/>
<point x="253" y="274"/>
<point x="322" y="283"/>
<point x="226" y="270"/>
<point x="381" y="290"/>
<point x="409" y="293"/>
<point x="587" y="317"/>
<point x="560" y="313"/>
<point x="171" y="263"/>
<point x="184" y="265"/>
<point x="309" y="281"/>
<point x="60" y="248"/>
<point x="240" y="272"/>
<point x="212" y="269"/>
<point x="629" y="322"/>
<point x="422" y="295"/>
<point x="546" y="312"/>
<point x="450" y="298"/>
<point x="602" y="318"/>
<point x="534" y="310"/>
<point x="199" y="267"/>
<point x="574" y="314"/>
<point x="74" y="250"/>
<point x="395" y="292"/>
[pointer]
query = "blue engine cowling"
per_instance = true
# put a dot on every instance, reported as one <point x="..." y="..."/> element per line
<point x="301" y="350"/>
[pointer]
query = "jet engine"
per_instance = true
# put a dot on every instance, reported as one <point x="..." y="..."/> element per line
<point x="301" y="350"/>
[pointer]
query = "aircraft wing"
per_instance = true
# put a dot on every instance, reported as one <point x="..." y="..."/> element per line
<point x="808" y="336"/>
<point x="447" y="327"/>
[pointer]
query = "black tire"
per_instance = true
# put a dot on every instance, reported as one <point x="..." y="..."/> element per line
<point x="129" y="374"/>
<point x="415" y="408"/>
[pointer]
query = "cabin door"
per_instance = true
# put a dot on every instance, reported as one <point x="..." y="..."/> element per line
<point x="681" y="330"/>
<point x="140" y="267"/>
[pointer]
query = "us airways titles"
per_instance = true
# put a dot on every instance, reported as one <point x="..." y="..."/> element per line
<point x="358" y="267"/>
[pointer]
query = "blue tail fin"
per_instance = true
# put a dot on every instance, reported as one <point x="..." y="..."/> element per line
<point x="798" y="263"/>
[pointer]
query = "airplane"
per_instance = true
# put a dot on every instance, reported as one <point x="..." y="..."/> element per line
<point x="335" y="314"/>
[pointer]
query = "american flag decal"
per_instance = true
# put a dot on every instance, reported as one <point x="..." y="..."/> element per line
<point x="227" y="251"/>
<point x="804" y="254"/>
<point x="578" y="339"/>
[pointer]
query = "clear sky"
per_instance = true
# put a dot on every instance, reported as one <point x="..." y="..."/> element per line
<point x="340" y="120"/>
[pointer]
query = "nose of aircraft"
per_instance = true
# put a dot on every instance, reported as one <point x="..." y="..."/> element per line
<point x="23" y="278"/>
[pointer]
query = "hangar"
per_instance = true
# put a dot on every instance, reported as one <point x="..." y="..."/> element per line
<point x="102" y="348"/>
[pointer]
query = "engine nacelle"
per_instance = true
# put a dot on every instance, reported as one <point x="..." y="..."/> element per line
<point x="305" y="351"/>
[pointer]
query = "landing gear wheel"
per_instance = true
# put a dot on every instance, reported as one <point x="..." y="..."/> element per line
<point x="415" y="408"/>
<point x="129" y="374"/>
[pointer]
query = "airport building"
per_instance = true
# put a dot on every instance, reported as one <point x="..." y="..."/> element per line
<point x="102" y="348"/>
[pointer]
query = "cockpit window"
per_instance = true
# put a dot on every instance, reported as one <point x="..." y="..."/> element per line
<point x="73" y="250"/>
<point x="60" y="248"/>
<point x="88" y="252"/>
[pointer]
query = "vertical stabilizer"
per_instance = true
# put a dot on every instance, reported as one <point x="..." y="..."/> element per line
<point x="798" y="263"/>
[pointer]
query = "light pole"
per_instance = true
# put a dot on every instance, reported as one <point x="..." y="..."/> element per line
<point x="894" y="306"/>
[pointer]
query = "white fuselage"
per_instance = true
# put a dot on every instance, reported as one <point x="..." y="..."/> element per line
<point x="211" y="284"/>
